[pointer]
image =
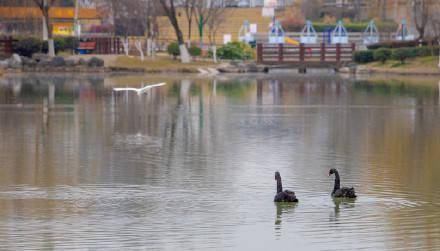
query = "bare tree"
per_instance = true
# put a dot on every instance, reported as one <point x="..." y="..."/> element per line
<point x="130" y="17"/>
<point x="44" y="6"/>
<point x="218" y="17"/>
<point x="384" y="7"/>
<point x="357" y="9"/>
<point x="170" y="10"/>
<point x="152" y="28"/>
<point x="309" y="8"/>
<point x="435" y="21"/>
<point x="189" y="6"/>
<point x="422" y="14"/>
<point x="204" y="11"/>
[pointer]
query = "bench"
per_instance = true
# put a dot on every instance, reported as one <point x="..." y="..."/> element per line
<point x="86" y="47"/>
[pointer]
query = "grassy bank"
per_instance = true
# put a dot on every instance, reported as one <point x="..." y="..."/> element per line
<point x="420" y="65"/>
<point x="159" y="64"/>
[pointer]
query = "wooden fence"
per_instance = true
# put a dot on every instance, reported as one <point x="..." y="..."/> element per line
<point x="107" y="45"/>
<point x="321" y="55"/>
<point x="6" y="46"/>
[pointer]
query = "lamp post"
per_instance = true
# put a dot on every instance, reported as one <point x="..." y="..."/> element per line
<point x="439" y="54"/>
<point x="76" y="24"/>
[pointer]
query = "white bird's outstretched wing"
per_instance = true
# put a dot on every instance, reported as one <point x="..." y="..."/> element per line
<point x="125" y="89"/>
<point x="151" y="86"/>
<point x="138" y="90"/>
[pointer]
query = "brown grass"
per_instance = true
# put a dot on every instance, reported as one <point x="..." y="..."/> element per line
<point x="421" y="65"/>
<point x="159" y="64"/>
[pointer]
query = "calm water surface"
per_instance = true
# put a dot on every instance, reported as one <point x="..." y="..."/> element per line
<point x="191" y="165"/>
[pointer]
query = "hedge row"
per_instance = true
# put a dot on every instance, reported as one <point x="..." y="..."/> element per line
<point x="395" y="44"/>
<point x="233" y="50"/>
<point x="400" y="54"/>
<point x="26" y="46"/>
<point x="174" y="50"/>
<point x="353" y="27"/>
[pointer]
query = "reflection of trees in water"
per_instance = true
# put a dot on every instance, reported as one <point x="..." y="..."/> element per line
<point x="32" y="88"/>
<point x="395" y="87"/>
<point x="236" y="89"/>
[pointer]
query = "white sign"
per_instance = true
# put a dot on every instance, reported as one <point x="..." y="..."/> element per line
<point x="270" y="3"/>
<point x="253" y="28"/>
<point x="268" y="12"/>
<point x="227" y="38"/>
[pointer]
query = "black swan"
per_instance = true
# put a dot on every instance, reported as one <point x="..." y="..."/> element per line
<point x="344" y="192"/>
<point x="283" y="196"/>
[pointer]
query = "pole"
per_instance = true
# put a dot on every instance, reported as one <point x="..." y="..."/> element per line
<point x="77" y="27"/>
<point x="439" y="54"/>
<point x="45" y="31"/>
<point x="201" y="30"/>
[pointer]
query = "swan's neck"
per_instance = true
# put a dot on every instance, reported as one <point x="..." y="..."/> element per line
<point x="337" y="182"/>
<point x="279" y="186"/>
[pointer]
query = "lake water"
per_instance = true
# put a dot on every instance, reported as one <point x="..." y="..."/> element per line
<point x="191" y="165"/>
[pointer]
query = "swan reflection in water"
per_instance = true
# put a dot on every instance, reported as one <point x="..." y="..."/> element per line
<point x="344" y="203"/>
<point x="283" y="208"/>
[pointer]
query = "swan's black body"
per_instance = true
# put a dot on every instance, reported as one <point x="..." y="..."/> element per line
<point x="344" y="192"/>
<point x="283" y="196"/>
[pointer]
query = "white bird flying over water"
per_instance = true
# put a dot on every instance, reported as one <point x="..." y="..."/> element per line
<point x="139" y="90"/>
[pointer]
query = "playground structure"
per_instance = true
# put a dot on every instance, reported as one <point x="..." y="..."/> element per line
<point x="371" y="34"/>
<point x="245" y="33"/>
<point x="340" y="34"/>
<point x="308" y="34"/>
<point x="6" y="46"/>
<point x="278" y="36"/>
<point x="402" y="33"/>
<point x="276" y="33"/>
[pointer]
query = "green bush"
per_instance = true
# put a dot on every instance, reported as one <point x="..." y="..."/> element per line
<point x="70" y="43"/>
<point x="423" y="51"/>
<point x="363" y="56"/>
<point x="173" y="49"/>
<point x="382" y="55"/>
<point x="426" y="51"/>
<point x="195" y="51"/>
<point x="58" y="43"/>
<point x="402" y="54"/>
<point x="395" y="44"/>
<point x="235" y="50"/>
<point x="27" y="46"/>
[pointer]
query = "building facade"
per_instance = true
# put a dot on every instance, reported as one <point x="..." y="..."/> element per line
<point x="23" y="17"/>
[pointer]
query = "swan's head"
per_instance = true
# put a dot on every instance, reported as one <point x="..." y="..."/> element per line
<point x="277" y="176"/>
<point x="332" y="171"/>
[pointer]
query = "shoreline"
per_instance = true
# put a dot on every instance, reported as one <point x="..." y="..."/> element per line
<point x="164" y="65"/>
<point x="412" y="67"/>
<point x="402" y="72"/>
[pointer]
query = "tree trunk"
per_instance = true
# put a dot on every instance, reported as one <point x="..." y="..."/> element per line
<point x="184" y="54"/>
<point x="153" y="48"/>
<point x="189" y="32"/>
<point x="214" y="53"/>
<point x="51" y="47"/>
<point x="50" y="42"/>
<point x="171" y="13"/>
<point x="149" y="47"/>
